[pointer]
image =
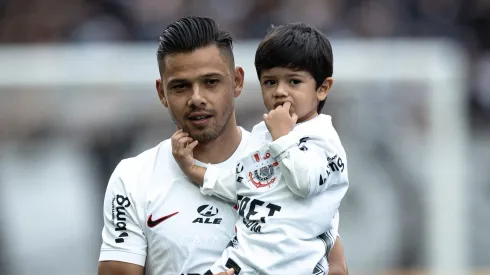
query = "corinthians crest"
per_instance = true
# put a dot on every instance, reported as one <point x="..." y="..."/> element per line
<point x="264" y="173"/>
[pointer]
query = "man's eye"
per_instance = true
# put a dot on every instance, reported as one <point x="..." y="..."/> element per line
<point x="212" y="82"/>
<point x="179" y="87"/>
<point x="294" y="81"/>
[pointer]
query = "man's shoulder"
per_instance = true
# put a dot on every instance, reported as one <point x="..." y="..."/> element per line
<point x="149" y="155"/>
<point x="142" y="164"/>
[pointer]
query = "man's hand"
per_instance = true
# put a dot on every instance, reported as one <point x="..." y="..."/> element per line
<point x="182" y="147"/>
<point x="279" y="121"/>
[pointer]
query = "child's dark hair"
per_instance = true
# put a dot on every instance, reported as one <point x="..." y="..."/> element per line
<point x="296" y="46"/>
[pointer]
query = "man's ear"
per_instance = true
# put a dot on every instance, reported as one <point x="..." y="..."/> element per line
<point x="161" y="93"/>
<point x="324" y="89"/>
<point x="239" y="79"/>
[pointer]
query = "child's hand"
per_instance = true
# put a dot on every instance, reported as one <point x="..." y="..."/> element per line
<point x="279" y="121"/>
<point x="182" y="147"/>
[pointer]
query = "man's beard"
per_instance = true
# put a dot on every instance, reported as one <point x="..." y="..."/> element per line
<point x="206" y="135"/>
<point x="209" y="133"/>
<point x="215" y="130"/>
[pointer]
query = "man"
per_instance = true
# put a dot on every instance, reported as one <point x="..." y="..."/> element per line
<point x="155" y="220"/>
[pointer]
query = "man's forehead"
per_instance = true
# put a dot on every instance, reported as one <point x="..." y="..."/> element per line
<point x="204" y="61"/>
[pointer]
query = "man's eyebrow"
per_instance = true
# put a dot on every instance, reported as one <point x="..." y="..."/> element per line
<point x="183" y="80"/>
<point x="212" y="75"/>
<point x="177" y="81"/>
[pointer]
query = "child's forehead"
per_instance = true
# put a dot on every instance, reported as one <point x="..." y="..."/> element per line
<point x="285" y="72"/>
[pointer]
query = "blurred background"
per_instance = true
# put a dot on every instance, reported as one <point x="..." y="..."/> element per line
<point x="77" y="95"/>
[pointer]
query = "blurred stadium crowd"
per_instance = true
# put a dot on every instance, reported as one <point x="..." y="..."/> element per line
<point x="125" y="21"/>
<point x="31" y="21"/>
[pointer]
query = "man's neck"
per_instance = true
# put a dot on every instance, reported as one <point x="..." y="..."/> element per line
<point x="221" y="148"/>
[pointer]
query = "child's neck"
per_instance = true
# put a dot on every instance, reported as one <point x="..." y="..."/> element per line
<point x="308" y="116"/>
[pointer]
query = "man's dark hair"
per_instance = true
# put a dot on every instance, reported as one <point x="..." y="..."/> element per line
<point x="296" y="46"/>
<point x="191" y="33"/>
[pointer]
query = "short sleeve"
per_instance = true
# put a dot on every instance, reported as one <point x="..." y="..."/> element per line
<point x="122" y="236"/>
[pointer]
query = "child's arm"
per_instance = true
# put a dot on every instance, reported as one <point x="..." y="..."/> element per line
<point x="309" y="164"/>
<point x="213" y="181"/>
<point x="219" y="183"/>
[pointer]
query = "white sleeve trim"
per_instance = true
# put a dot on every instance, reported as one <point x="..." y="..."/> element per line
<point x="219" y="183"/>
<point x="122" y="256"/>
<point x="210" y="178"/>
<point x="279" y="147"/>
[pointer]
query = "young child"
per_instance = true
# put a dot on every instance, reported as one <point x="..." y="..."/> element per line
<point x="289" y="187"/>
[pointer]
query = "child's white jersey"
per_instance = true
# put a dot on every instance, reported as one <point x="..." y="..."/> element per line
<point x="288" y="193"/>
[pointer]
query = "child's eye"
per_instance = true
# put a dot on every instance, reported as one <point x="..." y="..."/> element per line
<point x="269" y="82"/>
<point x="294" y="82"/>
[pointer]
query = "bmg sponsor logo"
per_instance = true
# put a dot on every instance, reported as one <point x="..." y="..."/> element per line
<point x="119" y="213"/>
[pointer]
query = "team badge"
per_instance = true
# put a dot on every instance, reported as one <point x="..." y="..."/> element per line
<point x="265" y="173"/>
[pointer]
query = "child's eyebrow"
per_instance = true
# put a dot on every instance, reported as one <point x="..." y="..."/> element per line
<point x="295" y="75"/>
<point x="298" y="74"/>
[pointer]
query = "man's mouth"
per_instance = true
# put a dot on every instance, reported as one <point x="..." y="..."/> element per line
<point x="199" y="117"/>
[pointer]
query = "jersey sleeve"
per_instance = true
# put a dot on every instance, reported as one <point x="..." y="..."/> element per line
<point x="220" y="183"/>
<point x="310" y="164"/>
<point x="122" y="236"/>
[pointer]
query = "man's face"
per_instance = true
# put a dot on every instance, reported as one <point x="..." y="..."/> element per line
<point x="199" y="88"/>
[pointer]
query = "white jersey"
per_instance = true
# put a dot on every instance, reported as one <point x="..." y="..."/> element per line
<point x="155" y="217"/>
<point x="288" y="192"/>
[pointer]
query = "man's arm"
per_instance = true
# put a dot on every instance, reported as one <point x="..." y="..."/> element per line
<point x="123" y="250"/>
<point x="336" y="260"/>
<point x="119" y="268"/>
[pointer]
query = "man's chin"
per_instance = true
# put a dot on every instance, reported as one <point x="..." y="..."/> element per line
<point x="204" y="135"/>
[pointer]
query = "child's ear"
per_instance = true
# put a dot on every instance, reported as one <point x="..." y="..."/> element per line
<point x="324" y="89"/>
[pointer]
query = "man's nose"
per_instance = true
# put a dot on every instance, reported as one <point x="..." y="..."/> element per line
<point x="197" y="98"/>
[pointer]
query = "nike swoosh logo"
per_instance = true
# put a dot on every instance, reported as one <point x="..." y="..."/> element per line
<point x="153" y="223"/>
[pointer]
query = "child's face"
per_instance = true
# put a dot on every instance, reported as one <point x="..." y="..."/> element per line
<point x="280" y="85"/>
